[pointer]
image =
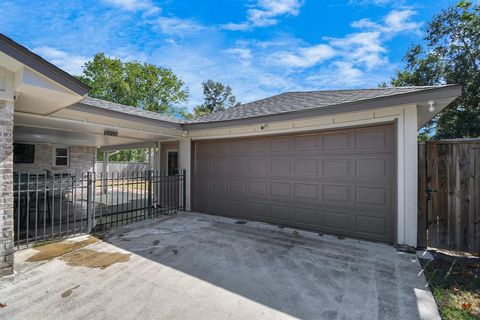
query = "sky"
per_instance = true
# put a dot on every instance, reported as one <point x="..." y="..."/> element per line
<point x="258" y="47"/>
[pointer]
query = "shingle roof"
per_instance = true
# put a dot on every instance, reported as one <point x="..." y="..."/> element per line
<point x="279" y="104"/>
<point x="297" y="101"/>
<point x="107" y="105"/>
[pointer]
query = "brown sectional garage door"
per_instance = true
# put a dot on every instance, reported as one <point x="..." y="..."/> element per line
<point x="339" y="182"/>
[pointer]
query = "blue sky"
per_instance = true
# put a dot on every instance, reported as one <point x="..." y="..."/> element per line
<point x="258" y="47"/>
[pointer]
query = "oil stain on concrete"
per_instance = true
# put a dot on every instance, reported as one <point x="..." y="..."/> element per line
<point x="58" y="249"/>
<point x="94" y="259"/>
<point x="68" y="293"/>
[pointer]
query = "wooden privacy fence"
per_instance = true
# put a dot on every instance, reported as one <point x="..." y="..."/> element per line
<point x="449" y="194"/>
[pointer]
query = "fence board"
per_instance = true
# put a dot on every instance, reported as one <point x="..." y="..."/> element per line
<point x="422" y="199"/>
<point x="451" y="170"/>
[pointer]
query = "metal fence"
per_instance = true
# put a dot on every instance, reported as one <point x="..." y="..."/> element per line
<point x="49" y="207"/>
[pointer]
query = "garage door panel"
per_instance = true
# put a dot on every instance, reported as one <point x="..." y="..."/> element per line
<point x="281" y="214"/>
<point x="371" y="225"/>
<point x="337" y="167"/>
<point x="374" y="139"/>
<point x="258" y="146"/>
<point x="337" y="141"/>
<point x="306" y="191"/>
<point x="308" y="217"/>
<point x="280" y="167"/>
<point x="237" y="186"/>
<point x="236" y="166"/>
<point x="238" y="147"/>
<point x="283" y="144"/>
<point x="257" y="167"/>
<point x="305" y="142"/>
<point x="219" y="186"/>
<point x="280" y="189"/>
<point x="257" y="210"/>
<point x="339" y="182"/>
<point x="337" y="193"/>
<point x="258" y="188"/>
<point x="337" y="220"/>
<point x="306" y="167"/>
<point x="375" y="196"/>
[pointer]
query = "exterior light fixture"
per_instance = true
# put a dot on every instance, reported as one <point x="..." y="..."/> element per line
<point x="262" y="126"/>
<point x="431" y="107"/>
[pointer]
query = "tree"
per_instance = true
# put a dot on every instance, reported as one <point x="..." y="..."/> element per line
<point x="218" y="97"/>
<point x="451" y="54"/>
<point x="132" y="83"/>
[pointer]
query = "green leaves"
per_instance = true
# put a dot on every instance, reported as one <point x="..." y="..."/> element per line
<point x="135" y="84"/>
<point x="218" y="97"/>
<point x="451" y="54"/>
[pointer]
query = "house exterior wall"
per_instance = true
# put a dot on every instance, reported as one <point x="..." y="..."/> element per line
<point x="165" y="146"/>
<point x="405" y="118"/>
<point x="6" y="173"/>
<point x="82" y="159"/>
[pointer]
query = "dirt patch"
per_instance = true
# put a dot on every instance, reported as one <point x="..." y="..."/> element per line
<point x="67" y="293"/>
<point x="455" y="282"/>
<point x="57" y="249"/>
<point x="94" y="259"/>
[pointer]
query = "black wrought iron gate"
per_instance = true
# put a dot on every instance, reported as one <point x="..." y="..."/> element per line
<point x="49" y="207"/>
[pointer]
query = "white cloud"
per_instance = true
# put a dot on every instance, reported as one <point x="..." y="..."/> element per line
<point x="304" y="57"/>
<point x="242" y="54"/>
<point x="394" y="22"/>
<point x="374" y="2"/>
<point x="265" y="13"/>
<point x="71" y="63"/>
<point x="399" y="20"/>
<point x="237" y="26"/>
<point x="365" y="48"/>
<point x="177" y="26"/>
<point x="135" y="5"/>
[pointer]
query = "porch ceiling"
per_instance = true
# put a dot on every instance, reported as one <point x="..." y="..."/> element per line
<point x="78" y="132"/>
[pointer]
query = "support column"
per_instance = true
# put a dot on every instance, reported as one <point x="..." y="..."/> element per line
<point x="157" y="167"/>
<point x="185" y="163"/>
<point x="411" y="176"/>
<point x="6" y="188"/>
<point x="106" y="156"/>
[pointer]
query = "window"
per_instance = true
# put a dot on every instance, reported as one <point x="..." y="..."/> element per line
<point x="23" y="153"/>
<point x="172" y="162"/>
<point x="60" y="156"/>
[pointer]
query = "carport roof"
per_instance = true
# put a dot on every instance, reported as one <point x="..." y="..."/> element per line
<point x="290" y="102"/>
<point x="112" y="106"/>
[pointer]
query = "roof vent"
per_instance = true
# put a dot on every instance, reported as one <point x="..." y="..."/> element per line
<point x="110" y="133"/>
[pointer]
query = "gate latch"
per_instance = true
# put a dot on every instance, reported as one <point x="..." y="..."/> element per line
<point x="428" y="192"/>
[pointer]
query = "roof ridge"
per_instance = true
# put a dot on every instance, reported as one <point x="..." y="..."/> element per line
<point x="367" y="89"/>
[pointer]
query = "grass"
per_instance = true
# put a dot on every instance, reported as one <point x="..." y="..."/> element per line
<point x="455" y="283"/>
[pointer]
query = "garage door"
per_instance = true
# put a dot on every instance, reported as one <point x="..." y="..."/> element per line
<point x="338" y="182"/>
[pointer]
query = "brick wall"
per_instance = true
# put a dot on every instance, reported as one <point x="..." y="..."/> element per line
<point x="82" y="159"/>
<point x="6" y="190"/>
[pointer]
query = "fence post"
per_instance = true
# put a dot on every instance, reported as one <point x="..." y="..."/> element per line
<point x="90" y="201"/>
<point x="184" y="189"/>
<point x="149" y="190"/>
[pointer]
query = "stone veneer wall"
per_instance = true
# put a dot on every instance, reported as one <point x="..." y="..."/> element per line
<point x="6" y="188"/>
<point x="82" y="159"/>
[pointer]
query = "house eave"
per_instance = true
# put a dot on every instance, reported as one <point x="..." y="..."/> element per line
<point x="420" y="97"/>
<point x="40" y="65"/>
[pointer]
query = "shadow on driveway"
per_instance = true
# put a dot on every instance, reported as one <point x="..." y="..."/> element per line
<point x="208" y="267"/>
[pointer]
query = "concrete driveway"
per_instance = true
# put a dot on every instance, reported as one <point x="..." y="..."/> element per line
<point x="195" y="266"/>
